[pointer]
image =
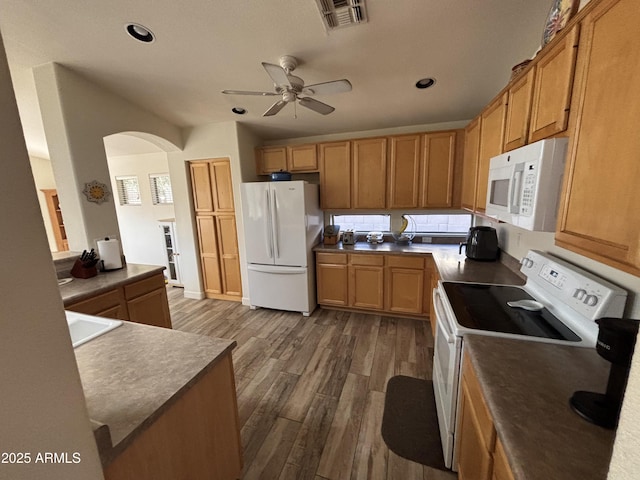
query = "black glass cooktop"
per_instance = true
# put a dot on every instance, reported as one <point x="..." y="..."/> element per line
<point x="484" y="307"/>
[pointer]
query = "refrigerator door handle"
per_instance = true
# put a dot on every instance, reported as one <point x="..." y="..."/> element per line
<point x="274" y="224"/>
<point x="267" y="224"/>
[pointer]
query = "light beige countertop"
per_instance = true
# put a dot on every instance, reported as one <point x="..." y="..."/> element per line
<point x="527" y="386"/>
<point x="133" y="373"/>
<point x="82" y="288"/>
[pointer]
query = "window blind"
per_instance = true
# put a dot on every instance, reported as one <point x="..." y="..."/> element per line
<point x="128" y="190"/>
<point x="160" y="188"/>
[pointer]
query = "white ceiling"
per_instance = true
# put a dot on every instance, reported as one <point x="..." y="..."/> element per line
<point x="205" y="46"/>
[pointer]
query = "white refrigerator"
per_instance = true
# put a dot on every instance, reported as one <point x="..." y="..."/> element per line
<point x="282" y="223"/>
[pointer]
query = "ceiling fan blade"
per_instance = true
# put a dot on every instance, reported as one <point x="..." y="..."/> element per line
<point x="336" y="86"/>
<point x="242" y="92"/>
<point x="316" y="106"/>
<point x="275" y="108"/>
<point x="277" y="74"/>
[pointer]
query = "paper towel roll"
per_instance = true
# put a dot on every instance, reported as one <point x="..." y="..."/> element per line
<point x="109" y="252"/>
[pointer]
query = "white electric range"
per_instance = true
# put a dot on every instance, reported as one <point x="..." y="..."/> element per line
<point x="571" y="299"/>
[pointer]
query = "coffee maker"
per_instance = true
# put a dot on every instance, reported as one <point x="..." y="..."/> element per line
<point x="616" y="342"/>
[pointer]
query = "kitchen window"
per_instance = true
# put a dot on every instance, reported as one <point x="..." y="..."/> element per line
<point x="363" y="223"/>
<point x="128" y="190"/>
<point x="458" y="223"/>
<point x="160" y="188"/>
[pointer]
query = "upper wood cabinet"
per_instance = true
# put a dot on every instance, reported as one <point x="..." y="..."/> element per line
<point x="201" y="186"/>
<point x="470" y="168"/>
<point x="491" y="140"/>
<point x="437" y="175"/>
<point x="222" y="191"/>
<point x="302" y="158"/>
<point x="270" y="159"/>
<point x="369" y="173"/>
<point x="518" y="111"/>
<point x="554" y="72"/>
<point x="335" y="175"/>
<point x="598" y="215"/>
<point x="293" y="158"/>
<point x="403" y="180"/>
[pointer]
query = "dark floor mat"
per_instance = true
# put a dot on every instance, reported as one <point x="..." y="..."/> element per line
<point x="410" y="422"/>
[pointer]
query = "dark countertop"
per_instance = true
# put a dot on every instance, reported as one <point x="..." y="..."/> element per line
<point x="133" y="373"/>
<point x="527" y="386"/>
<point x="83" y="288"/>
<point x="452" y="266"/>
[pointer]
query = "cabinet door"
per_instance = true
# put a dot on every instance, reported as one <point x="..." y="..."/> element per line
<point x="201" y="186"/>
<point x="474" y="458"/>
<point x="335" y="175"/>
<point x="470" y="169"/>
<point x="404" y="171"/>
<point x="270" y="159"/>
<point x="228" y="255"/>
<point x="501" y="468"/>
<point x="302" y="158"/>
<point x="438" y="157"/>
<point x="222" y="192"/>
<point x="151" y="309"/>
<point x="598" y="215"/>
<point x="110" y="304"/>
<point x="366" y="286"/>
<point x="405" y="289"/>
<point x="491" y="136"/>
<point x="518" y="111"/>
<point x="369" y="173"/>
<point x="208" y="243"/>
<point x="553" y="83"/>
<point x="332" y="284"/>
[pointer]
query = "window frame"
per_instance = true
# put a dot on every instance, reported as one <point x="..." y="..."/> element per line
<point x="124" y="197"/>
<point x="155" y="198"/>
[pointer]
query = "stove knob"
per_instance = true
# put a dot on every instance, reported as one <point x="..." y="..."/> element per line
<point x="526" y="262"/>
<point x="591" y="300"/>
<point x="579" y="293"/>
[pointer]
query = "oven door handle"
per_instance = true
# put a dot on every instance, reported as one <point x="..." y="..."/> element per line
<point x="441" y="317"/>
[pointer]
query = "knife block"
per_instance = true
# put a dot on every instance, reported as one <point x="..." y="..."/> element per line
<point x="80" y="271"/>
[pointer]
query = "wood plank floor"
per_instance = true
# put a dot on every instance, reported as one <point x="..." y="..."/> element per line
<point x="311" y="389"/>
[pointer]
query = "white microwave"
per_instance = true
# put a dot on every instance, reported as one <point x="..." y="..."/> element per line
<point x="524" y="185"/>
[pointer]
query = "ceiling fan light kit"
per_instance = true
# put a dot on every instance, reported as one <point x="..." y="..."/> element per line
<point x="290" y="88"/>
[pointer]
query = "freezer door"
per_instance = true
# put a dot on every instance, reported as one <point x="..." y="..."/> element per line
<point x="256" y="215"/>
<point x="289" y="223"/>
<point x="281" y="288"/>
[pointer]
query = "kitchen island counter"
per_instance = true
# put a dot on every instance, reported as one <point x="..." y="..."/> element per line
<point x="83" y="288"/>
<point x="527" y="386"/>
<point x="132" y="375"/>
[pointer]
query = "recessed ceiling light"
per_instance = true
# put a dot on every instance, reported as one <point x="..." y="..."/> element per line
<point x="239" y="110"/>
<point x="140" y="32"/>
<point x="425" y="82"/>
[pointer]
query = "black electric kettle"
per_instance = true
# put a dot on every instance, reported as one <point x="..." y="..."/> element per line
<point x="481" y="244"/>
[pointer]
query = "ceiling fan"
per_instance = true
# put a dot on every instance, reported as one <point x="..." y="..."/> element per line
<point x="290" y="88"/>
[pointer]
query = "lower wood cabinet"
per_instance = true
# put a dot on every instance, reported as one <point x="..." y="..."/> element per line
<point x="366" y="281"/>
<point x="198" y="436"/>
<point x="143" y="301"/>
<point x="375" y="282"/>
<point x="480" y="452"/>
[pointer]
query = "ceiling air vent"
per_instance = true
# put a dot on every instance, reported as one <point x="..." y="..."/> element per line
<point x="342" y="13"/>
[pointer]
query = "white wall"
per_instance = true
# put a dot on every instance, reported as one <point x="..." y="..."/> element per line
<point x="42" y="407"/>
<point x="140" y="234"/>
<point x="77" y="115"/>
<point x="43" y="178"/>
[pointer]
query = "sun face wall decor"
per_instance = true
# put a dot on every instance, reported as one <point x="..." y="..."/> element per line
<point x="96" y="192"/>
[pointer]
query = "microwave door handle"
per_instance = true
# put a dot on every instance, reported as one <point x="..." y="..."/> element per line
<point x="514" y="195"/>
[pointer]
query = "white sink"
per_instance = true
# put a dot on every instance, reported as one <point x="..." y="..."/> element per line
<point x="83" y="328"/>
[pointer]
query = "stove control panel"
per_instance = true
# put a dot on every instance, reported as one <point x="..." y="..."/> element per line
<point x="590" y="296"/>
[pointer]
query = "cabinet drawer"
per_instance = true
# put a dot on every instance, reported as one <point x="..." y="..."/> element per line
<point x="485" y="422"/>
<point x="147" y="285"/>
<point x="97" y="304"/>
<point x="377" y="260"/>
<point x="405" y="262"/>
<point x="339" y="258"/>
